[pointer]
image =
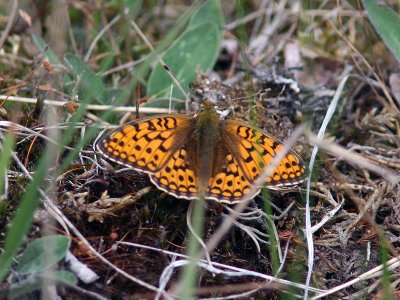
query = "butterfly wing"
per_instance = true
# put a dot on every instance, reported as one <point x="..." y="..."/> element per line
<point x="248" y="153"/>
<point x="146" y="144"/>
<point x="229" y="184"/>
<point x="255" y="150"/>
<point x="177" y="177"/>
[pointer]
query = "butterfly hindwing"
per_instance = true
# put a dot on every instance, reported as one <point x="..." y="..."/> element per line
<point x="229" y="185"/>
<point x="145" y="145"/>
<point x="177" y="177"/>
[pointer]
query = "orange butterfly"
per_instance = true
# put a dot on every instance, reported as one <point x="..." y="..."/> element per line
<point x="202" y="156"/>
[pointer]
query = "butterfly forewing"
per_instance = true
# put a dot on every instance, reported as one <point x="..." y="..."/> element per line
<point x="255" y="150"/>
<point x="147" y="144"/>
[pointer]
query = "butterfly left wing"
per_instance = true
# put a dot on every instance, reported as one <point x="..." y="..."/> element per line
<point x="146" y="144"/>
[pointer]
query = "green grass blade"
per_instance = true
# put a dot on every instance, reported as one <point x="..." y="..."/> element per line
<point x="273" y="248"/>
<point x="5" y="158"/>
<point x="386" y="276"/>
<point x="189" y="274"/>
<point x="23" y="217"/>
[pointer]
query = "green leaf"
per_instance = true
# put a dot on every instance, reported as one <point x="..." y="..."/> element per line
<point x="387" y="23"/>
<point x="180" y="24"/>
<point x="49" y="53"/>
<point x="89" y="84"/>
<point x="208" y="12"/>
<point x="36" y="282"/>
<point x="273" y="249"/>
<point x="62" y="277"/>
<point x="133" y="6"/>
<point x="43" y="253"/>
<point x="196" y="49"/>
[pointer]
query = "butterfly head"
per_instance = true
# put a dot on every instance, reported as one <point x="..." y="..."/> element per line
<point x="207" y="105"/>
<point x="206" y="110"/>
<point x="207" y="116"/>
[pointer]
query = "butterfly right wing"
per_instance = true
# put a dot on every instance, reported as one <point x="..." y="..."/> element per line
<point x="255" y="150"/>
<point x="146" y="144"/>
<point x="230" y="185"/>
<point x="246" y="154"/>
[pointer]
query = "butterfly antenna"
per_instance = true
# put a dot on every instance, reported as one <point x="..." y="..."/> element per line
<point x="164" y="65"/>
<point x="170" y="98"/>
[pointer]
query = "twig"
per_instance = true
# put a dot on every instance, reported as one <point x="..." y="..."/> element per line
<point x="327" y="217"/>
<point x="86" y="293"/>
<point x="375" y="272"/>
<point x="356" y="159"/>
<point x="366" y="63"/>
<point x="150" y="110"/>
<point x="250" y="17"/>
<point x="218" y="267"/>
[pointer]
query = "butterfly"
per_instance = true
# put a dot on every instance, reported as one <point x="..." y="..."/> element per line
<point x="202" y="156"/>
